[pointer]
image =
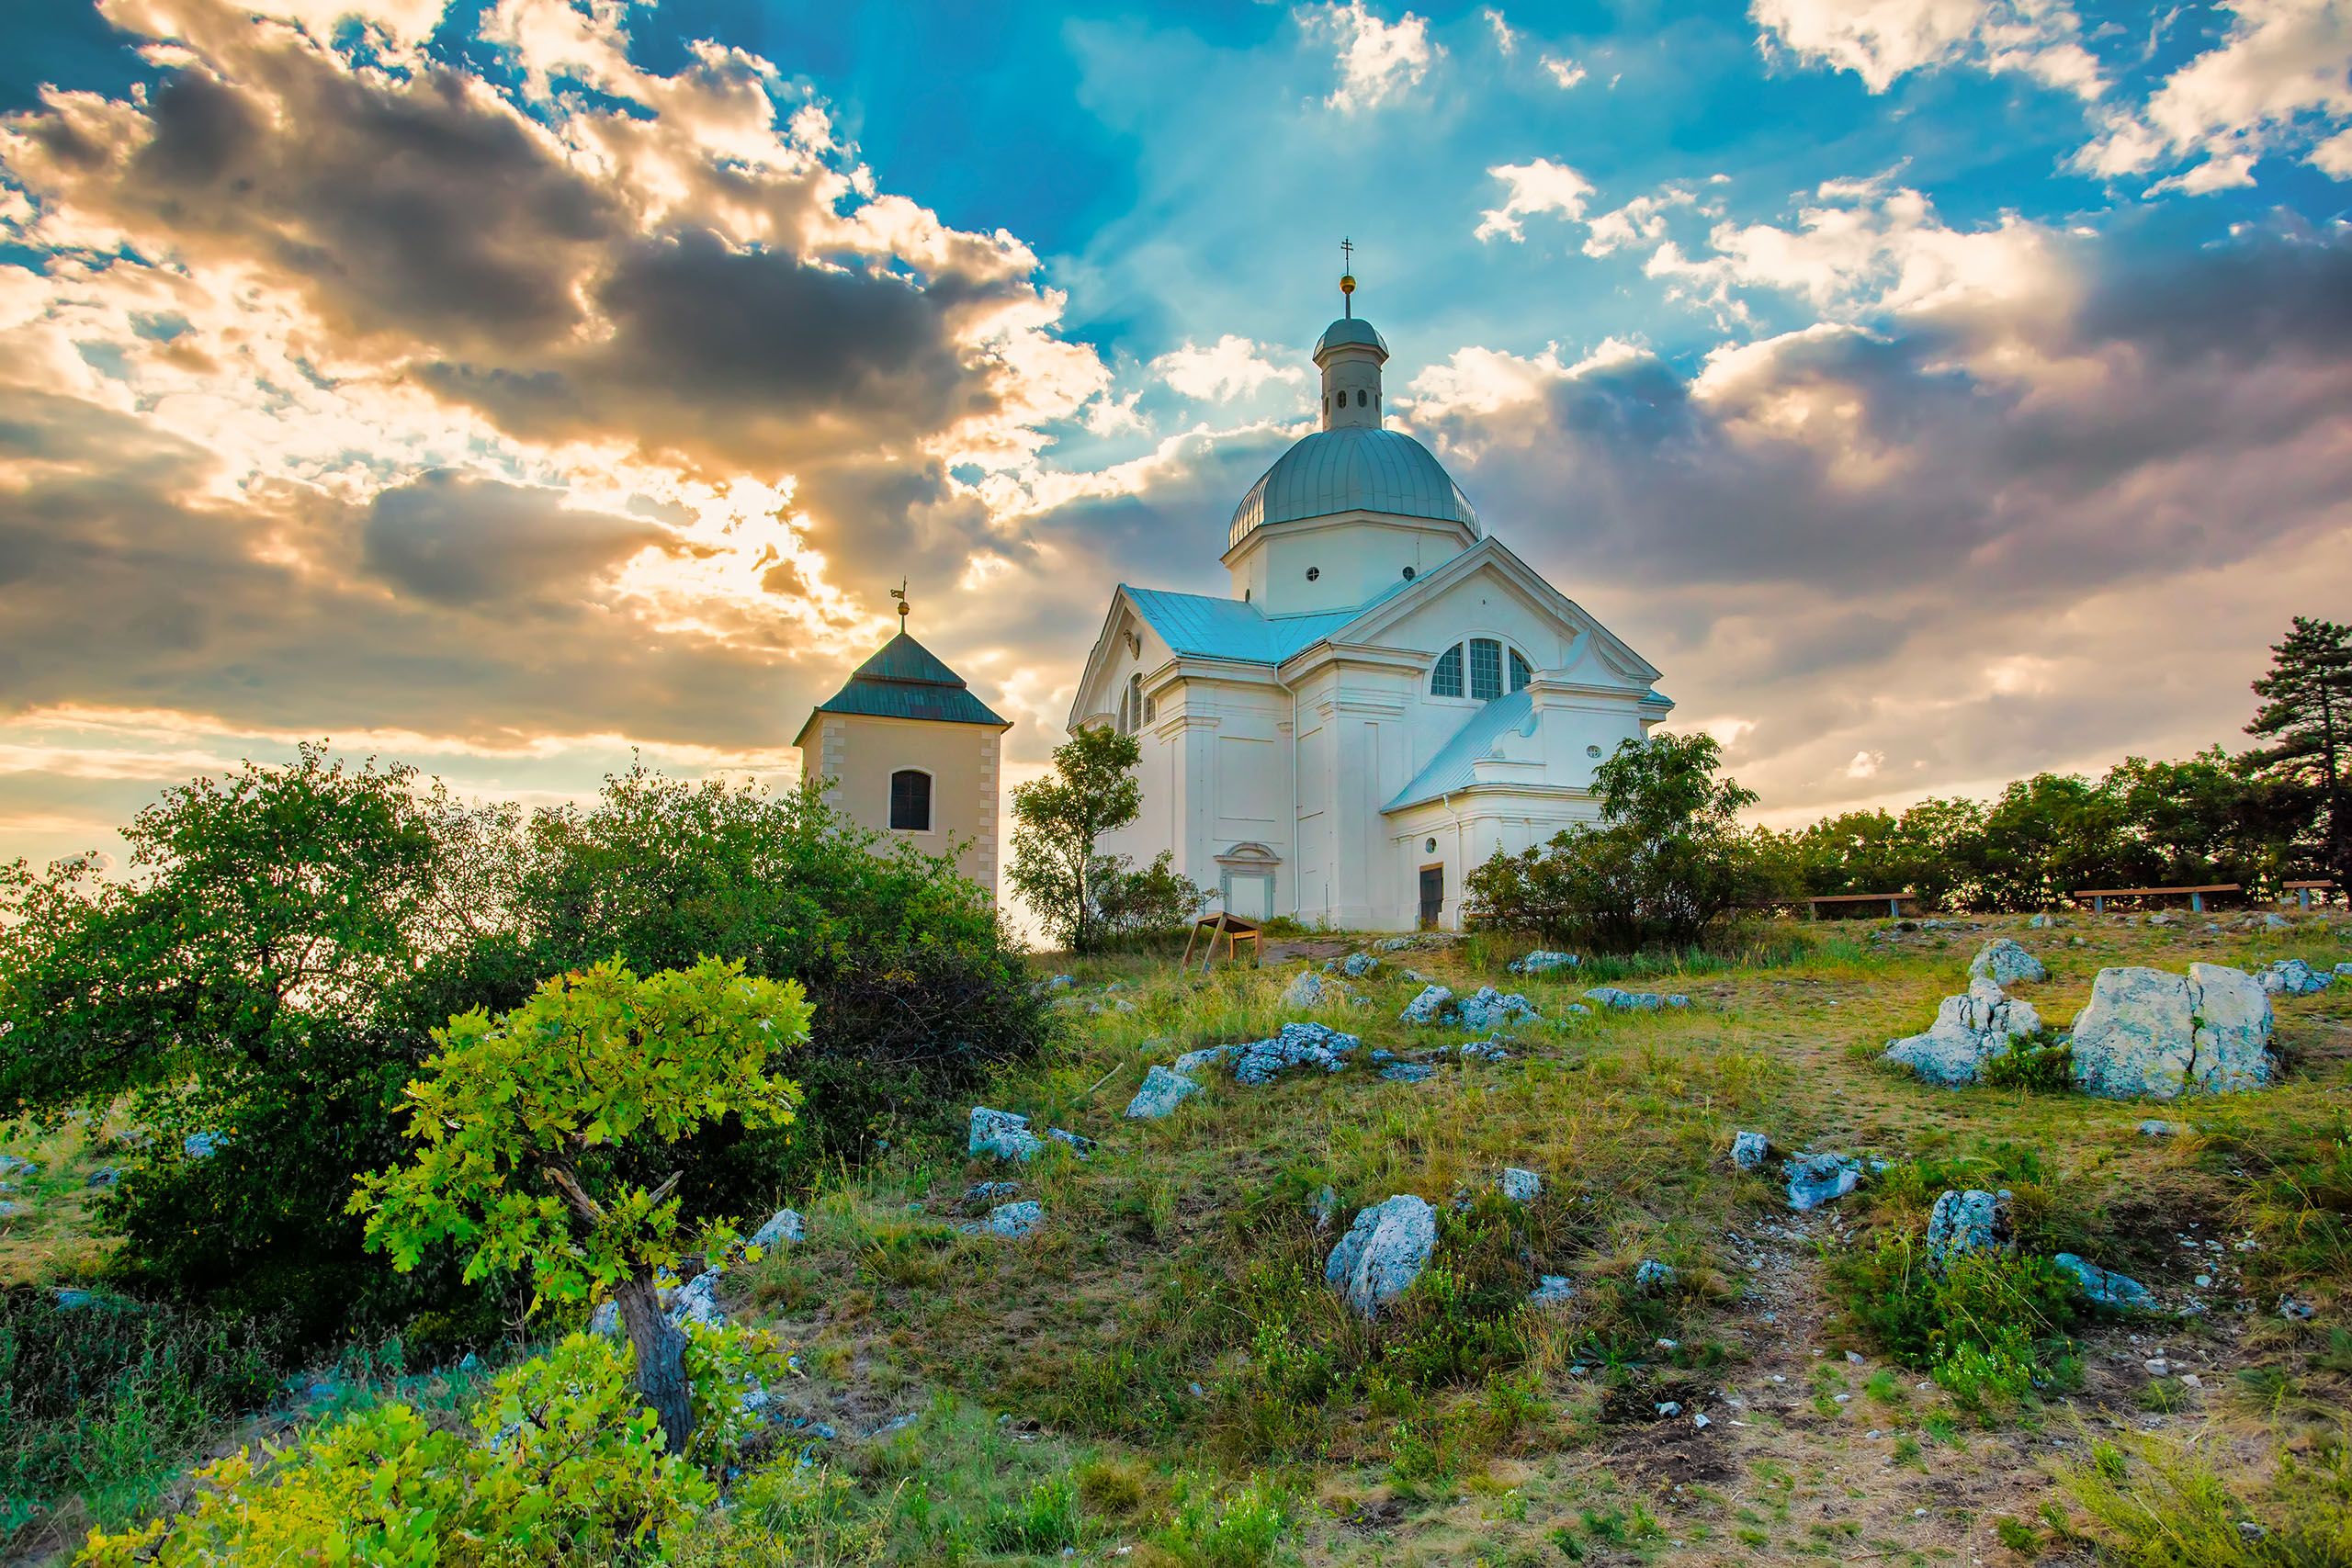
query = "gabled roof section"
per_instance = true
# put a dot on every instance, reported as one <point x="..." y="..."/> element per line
<point x="1197" y="625"/>
<point x="906" y="679"/>
<point x="1454" y="766"/>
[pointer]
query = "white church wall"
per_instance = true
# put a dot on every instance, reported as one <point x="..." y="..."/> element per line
<point x="1356" y="557"/>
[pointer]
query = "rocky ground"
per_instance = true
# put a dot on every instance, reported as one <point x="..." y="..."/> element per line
<point x="1159" y="1328"/>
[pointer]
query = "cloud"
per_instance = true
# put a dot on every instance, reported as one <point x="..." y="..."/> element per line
<point x="1881" y="41"/>
<point x="1378" y="61"/>
<point x="2279" y="77"/>
<point x="1642" y="220"/>
<point x="1538" y="188"/>
<point x="1924" y="536"/>
<point x="1505" y="39"/>
<point x="456" y="538"/>
<point x="1228" y="368"/>
<point x="1564" y="73"/>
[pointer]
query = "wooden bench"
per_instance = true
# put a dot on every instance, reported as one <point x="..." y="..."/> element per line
<point x="1235" y="928"/>
<point x="1894" y="901"/>
<point x="2303" y="891"/>
<point x="2196" y="896"/>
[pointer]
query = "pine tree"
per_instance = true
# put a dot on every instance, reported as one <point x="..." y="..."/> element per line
<point x="2306" y="716"/>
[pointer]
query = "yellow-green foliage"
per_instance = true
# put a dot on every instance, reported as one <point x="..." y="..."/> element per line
<point x="562" y="1462"/>
<point x="524" y="1123"/>
<point x="2158" y="1503"/>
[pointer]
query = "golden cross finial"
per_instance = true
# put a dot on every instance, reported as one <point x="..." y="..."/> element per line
<point x="899" y="593"/>
<point x="1348" y="275"/>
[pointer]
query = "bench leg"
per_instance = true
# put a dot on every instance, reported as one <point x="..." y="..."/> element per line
<point x="2098" y="906"/>
<point x="2196" y="902"/>
<point x="2303" y="899"/>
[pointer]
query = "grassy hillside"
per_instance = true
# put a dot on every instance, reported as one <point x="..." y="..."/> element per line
<point x="1159" y="1374"/>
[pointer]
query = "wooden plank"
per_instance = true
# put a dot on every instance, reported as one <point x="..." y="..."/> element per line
<point x="2153" y="891"/>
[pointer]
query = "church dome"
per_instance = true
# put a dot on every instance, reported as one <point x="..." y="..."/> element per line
<point x="1350" y="329"/>
<point x="1352" y="468"/>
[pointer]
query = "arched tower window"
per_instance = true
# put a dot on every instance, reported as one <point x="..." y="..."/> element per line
<point x="1521" y="673"/>
<point x="1446" y="675"/>
<point x="911" y="801"/>
<point x="1485" y="668"/>
<point x="1131" y="706"/>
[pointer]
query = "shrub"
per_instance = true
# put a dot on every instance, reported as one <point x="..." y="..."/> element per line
<point x="2041" y="1064"/>
<point x="562" y="1464"/>
<point x="1986" y="1325"/>
<point x="1667" y="865"/>
<point x="104" y="1402"/>
<point x="2154" y="1503"/>
<point x="1236" y="1529"/>
<point x="538" y="1134"/>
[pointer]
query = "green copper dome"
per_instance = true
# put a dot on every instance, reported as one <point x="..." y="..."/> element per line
<point x="1357" y="468"/>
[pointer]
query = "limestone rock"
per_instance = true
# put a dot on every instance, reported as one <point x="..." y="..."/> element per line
<point x="1356" y="965"/>
<point x="1818" y="1179"/>
<point x="1542" y="962"/>
<point x="1651" y="1275"/>
<point x="1969" y="1029"/>
<point x="1308" y="990"/>
<point x="1551" y="1291"/>
<point x="201" y="1146"/>
<point x="2154" y="1128"/>
<point x="1011" y="1220"/>
<point x="1963" y="1223"/>
<point x="1428" y="1007"/>
<point x="1004" y="1133"/>
<point x="1491" y="1008"/>
<point x="1519" y="1186"/>
<point x="1408" y="1072"/>
<point x="695" y="1302"/>
<point x="1162" y="1093"/>
<point x="1749" y="1150"/>
<point x="2104" y="1287"/>
<point x="2038" y="922"/>
<point x="2147" y="1033"/>
<point x="1325" y="1203"/>
<point x="784" y="1225"/>
<point x="1618" y="1000"/>
<point x="2293" y="977"/>
<point x="1383" y="1252"/>
<point x="2006" y="963"/>
<point x="1260" y="1062"/>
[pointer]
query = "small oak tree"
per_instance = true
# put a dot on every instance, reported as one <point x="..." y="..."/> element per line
<point x="1056" y="819"/>
<point x="538" y="1132"/>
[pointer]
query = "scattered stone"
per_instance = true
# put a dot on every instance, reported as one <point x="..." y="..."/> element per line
<point x="69" y="1299"/>
<point x="1818" y="1179"/>
<point x="696" y="1302"/>
<point x="13" y="1164"/>
<point x="1429" y="1007"/>
<point x="1383" y="1252"/>
<point x="1260" y="1062"/>
<point x="1010" y="1220"/>
<point x="1487" y="1008"/>
<point x="1325" y="1203"/>
<point x="1669" y="1407"/>
<point x="1397" y="943"/>
<point x="1615" y="1000"/>
<point x="1551" y="1291"/>
<point x="1162" y="1093"/>
<point x="1700" y="1420"/>
<point x="2293" y="977"/>
<point x="1651" y="1275"/>
<point x="2344" y="970"/>
<point x="105" y="1176"/>
<point x="2295" y="1311"/>
<point x="1356" y="965"/>
<point x="987" y="1193"/>
<point x="1519" y="1186"/>
<point x="2104" y="1287"/>
<point x="2157" y="1367"/>
<point x="1969" y="1029"/>
<point x="201" y="1146"/>
<point x="1061" y="983"/>
<point x="784" y="1225"/>
<point x="2275" y="922"/>
<point x="1749" y="1150"/>
<point x="2154" y="1128"/>
<point x="1408" y="1072"/>
<point x="1543" y="961"/>
<point x="2038" y="922"/>
<point x="1004" y="1133"/>
<point x="1308" y="990"/>
<point x="1963" y="1223"/>
<point x="2006" y="963"/>
<point x="2147" y="1033"/>
<point x="9" y="1210"/>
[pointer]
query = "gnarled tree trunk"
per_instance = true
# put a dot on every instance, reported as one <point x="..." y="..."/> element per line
<point x="660" y="1348"/>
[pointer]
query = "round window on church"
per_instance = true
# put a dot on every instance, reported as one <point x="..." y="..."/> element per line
<point x="1313" y="572"/>
<point x="1408" y="574"/>
<point x="1428" y="846"/>
<point x="1592" y="751"/>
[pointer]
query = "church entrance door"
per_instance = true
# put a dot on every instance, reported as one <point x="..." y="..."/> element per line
<point x="1432" y="896"/>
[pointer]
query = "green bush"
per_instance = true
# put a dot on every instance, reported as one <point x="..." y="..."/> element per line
<point x="104" y="1402"/>
<point x="2155" y="1503"/>
<point x="1986" y="1325"/>
<point x="1236" y="1528"/>
<point x="562" y="1464"/>
<point x="268" y="973"/>
<point x="2041" y="1064"/>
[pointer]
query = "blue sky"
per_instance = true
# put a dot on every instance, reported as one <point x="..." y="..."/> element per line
<point x="1937" y="390"/>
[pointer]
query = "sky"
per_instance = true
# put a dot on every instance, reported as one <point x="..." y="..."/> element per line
<point x="1935" y="390"/>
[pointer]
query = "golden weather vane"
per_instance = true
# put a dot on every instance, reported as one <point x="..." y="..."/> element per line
<point x="1348" y="275"/>
<point x="899" y="593"/>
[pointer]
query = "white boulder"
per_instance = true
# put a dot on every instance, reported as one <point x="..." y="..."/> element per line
<point x="2149" y="1033"/>
<point x="2006" y="963"/>
<point x="1969" y="1029"/>
<point x="1383" y="1252"/>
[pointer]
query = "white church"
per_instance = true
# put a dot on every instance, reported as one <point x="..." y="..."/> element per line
<point x="1387" y="696"/>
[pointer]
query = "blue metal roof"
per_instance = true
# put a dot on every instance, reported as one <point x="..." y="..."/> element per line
<point x="1451" y="768"/>
<point x="1352" y="468"/>
<point x="1350" y="329"/>
<point x="1204" y="628"/>
<point x="906" y="679"/>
